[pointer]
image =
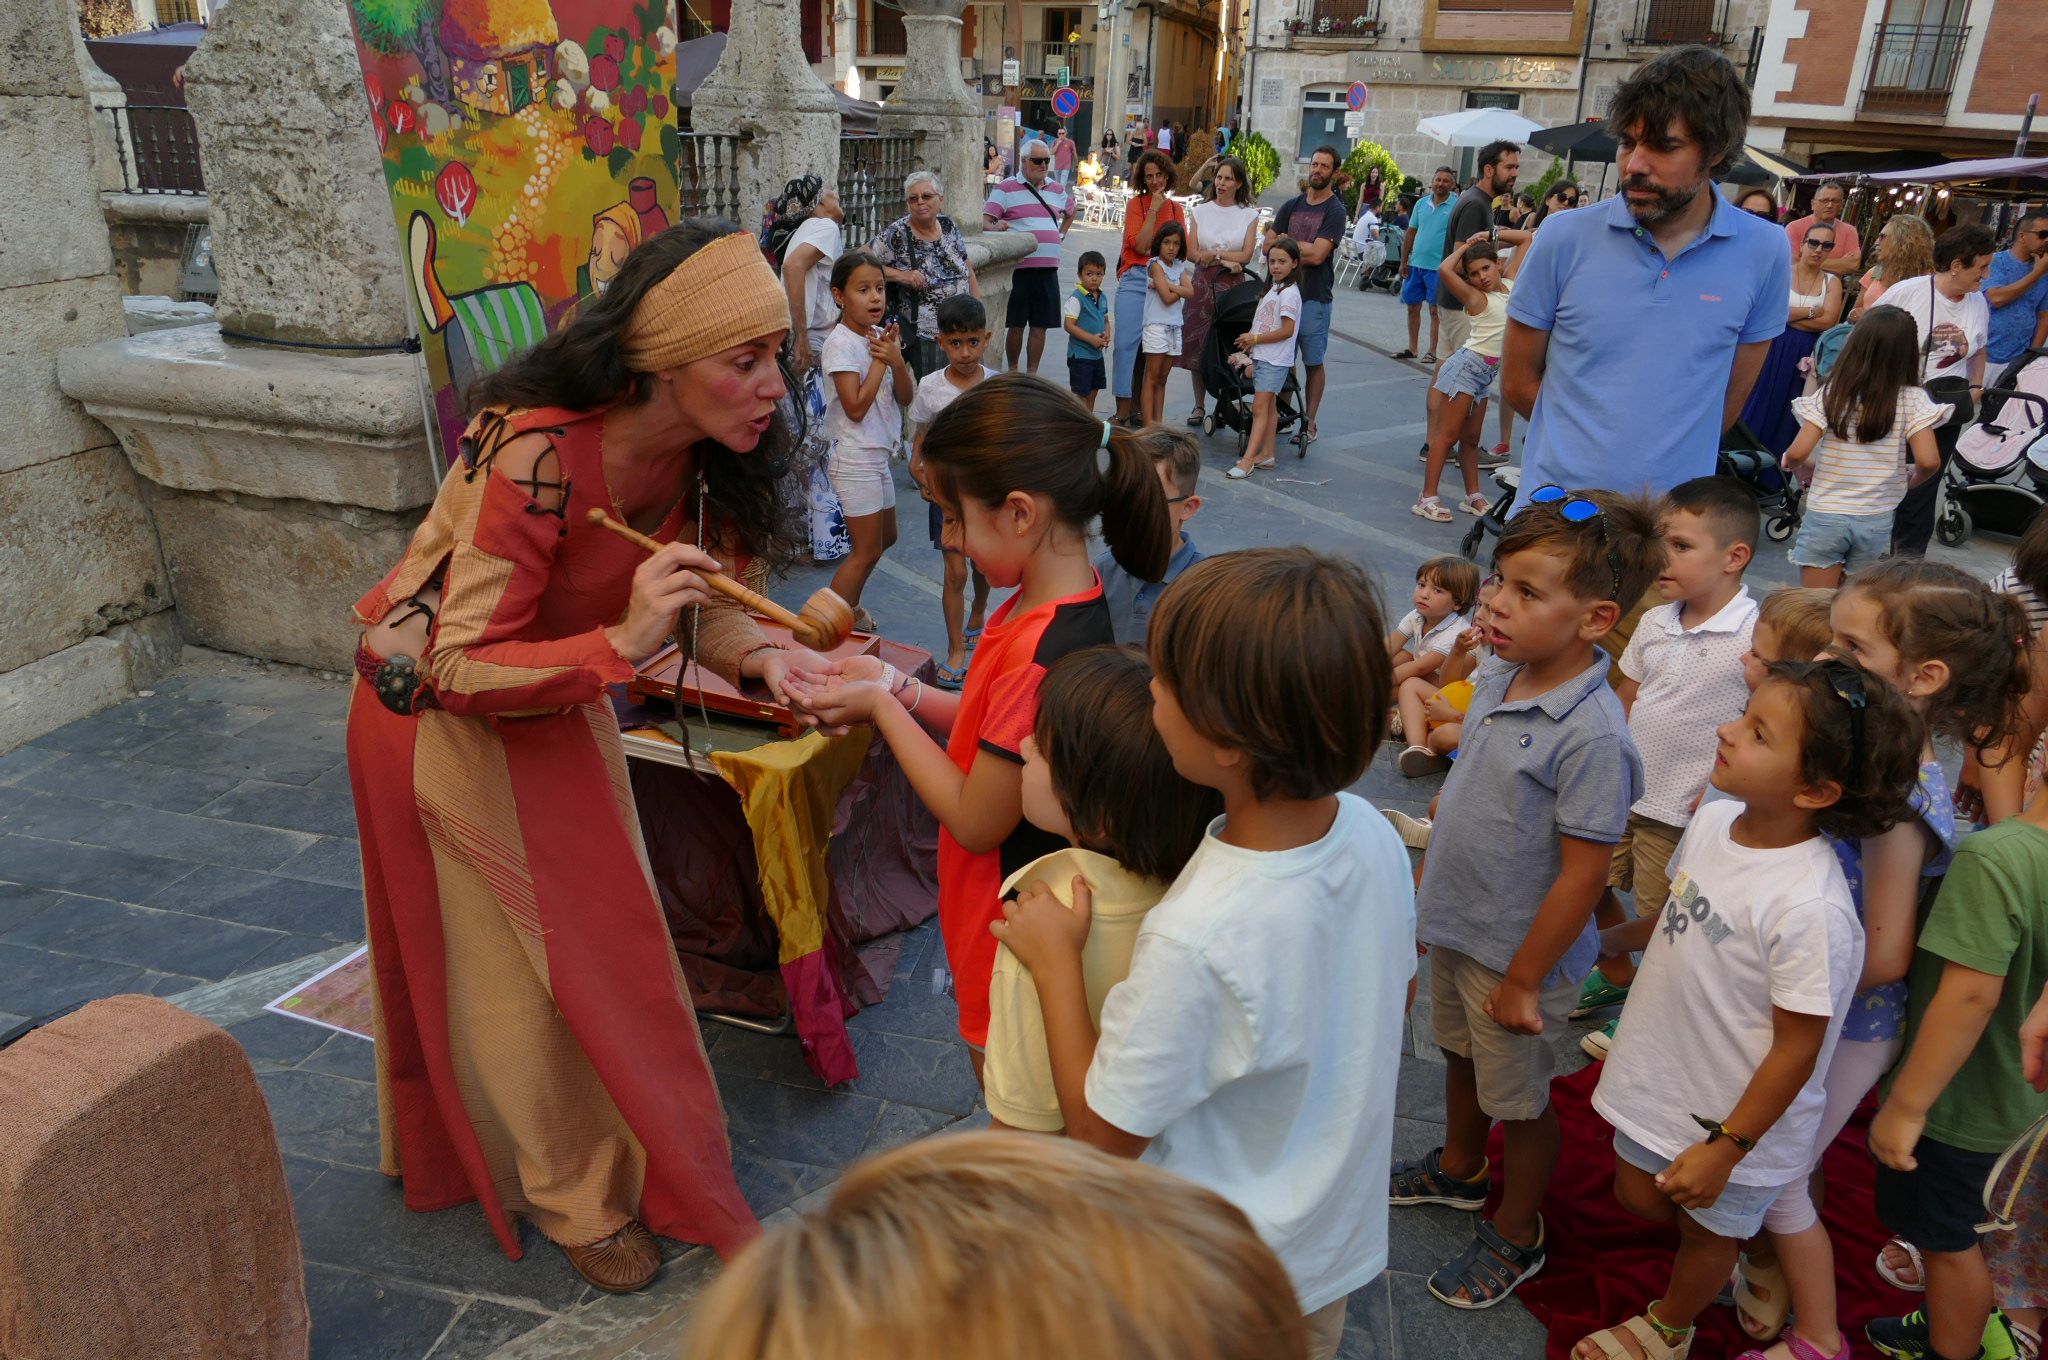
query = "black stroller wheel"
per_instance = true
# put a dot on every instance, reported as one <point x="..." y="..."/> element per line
<point x="1468" y="547"/>
<point x="1954" y="526"/>
<point x="1244" y="439"/>
<point x="1780" y="529"/>
<point x="1208" y="422"/>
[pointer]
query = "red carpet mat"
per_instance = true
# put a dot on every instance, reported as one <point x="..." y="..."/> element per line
<point x="1605" y="1264"/>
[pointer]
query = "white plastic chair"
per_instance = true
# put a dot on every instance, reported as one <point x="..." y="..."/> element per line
<point x="1349" y="262"/>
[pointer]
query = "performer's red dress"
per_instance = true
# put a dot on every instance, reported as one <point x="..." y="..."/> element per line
<point x="536" y="1048"/>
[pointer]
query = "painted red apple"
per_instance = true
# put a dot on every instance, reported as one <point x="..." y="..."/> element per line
<point x="660" y="106"/>
<point x="375" y="89"/>
<point x="615" y="47"/>
<point x="629" y="133"/>
<point x="597" y="135"/>
<point x="633" y="102"/>
<point x="455" y="190"/>
<point x="604" y="73"/>
<point x="401" y="116"/>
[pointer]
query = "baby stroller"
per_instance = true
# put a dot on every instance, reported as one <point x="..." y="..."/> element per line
<point x="1236" y="307"/>
<point x="1742" y="457"/>
<point x="1999" y="475"/>
<point x="1387" y="274"/>
<point x="1779" y="497"/>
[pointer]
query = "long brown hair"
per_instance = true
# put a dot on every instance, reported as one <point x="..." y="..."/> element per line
<point x="1933" y="611"/>
<point x="1880" y="359"/>
<point x="582" y="368"/>
<point x="1905" y="248"/>
<point x="1019" y="432"/>
<point x="1244" y="180"/>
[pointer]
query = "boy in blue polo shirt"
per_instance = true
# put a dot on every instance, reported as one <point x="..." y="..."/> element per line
<point x="1518" y="858"/>
<point x="1087" y="322"/>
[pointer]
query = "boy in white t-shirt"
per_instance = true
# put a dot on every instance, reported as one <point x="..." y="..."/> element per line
<point x="1681" y="677"/>
<point x="1254" y="1046"/>
<point x="963" y="335"/>
<point x="1748" y="975"/>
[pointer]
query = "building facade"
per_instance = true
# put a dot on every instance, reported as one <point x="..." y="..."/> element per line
<point x="1840" y="82"/>
<point x="1552" y="61"/>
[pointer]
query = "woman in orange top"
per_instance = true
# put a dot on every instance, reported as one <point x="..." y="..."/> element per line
<point x="536" y="1049"/>
<point x="1143" y="217"/>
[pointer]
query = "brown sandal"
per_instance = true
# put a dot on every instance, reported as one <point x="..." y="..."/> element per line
<point x="623" y="1263"/>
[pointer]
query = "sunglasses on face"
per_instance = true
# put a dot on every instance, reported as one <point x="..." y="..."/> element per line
<point x="1041" y="160"/>
<point x="1569" y="200"/>
<point x="1578" y="510"/>
<point x="1823" y="242"/>
<point x="2039" y="235"/>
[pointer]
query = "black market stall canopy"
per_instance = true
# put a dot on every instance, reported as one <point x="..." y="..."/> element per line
<point x="1593" y="141"/>
<point x="696" y="59"/>
<point x="2026" y="175"/>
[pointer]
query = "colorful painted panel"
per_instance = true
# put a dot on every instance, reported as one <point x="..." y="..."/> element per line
<point x="528" y="146"/>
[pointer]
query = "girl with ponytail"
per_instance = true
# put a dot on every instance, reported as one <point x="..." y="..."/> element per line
<point x="1020" y="468"/>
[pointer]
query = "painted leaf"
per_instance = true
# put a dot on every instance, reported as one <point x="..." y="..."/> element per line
<point x="455" y="190"/>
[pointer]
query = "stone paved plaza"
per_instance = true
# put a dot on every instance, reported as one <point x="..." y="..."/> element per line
<point x="197" y="842"/>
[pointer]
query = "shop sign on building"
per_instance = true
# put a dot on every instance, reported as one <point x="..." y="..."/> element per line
<point x="1417" y="68"/>
<point x="1272" y="90"/>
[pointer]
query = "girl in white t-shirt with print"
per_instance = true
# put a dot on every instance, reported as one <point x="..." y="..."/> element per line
<point x="1169" y="284"/>
<point x="1270" y="345"/>
<point x="1857" y="430"/>
<point x="870" y="383"/>
<point x="1714" y="1083"/>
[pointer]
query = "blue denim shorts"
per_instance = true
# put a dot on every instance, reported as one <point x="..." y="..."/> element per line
<point x="1466" y="373"/>
<point x="1738" y="1212"/>
<point x="1269" y="377"/>
<point x="1853" y="542"/>
<point x="1314" y="332"/>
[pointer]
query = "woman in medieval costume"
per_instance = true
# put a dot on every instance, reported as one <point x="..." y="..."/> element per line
<point x="536" y="1047"/>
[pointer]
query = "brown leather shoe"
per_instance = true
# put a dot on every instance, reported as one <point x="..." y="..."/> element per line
<point x="626" y="1261"/>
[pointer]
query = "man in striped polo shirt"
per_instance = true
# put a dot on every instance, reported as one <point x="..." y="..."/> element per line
<point x="1032" y="202"/>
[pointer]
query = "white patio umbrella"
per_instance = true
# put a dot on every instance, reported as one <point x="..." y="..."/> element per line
<point x="1477" y="127"/>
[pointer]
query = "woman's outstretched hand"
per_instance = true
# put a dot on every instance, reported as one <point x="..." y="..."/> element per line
<point x="663" y="586"/>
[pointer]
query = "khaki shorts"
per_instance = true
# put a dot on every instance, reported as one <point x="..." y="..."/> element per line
<point x="1514" y="1070"/>
<point x="1642" y="862"/>
<point x="1453" y="324"/>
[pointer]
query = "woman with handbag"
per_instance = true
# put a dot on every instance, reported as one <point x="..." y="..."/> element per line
<point x="1222" y="239"/>
<point x="924" y="259"/>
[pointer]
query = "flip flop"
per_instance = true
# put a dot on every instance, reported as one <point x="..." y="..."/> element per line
<point x="945" y="677"/>
<point x="1404" y="354"/>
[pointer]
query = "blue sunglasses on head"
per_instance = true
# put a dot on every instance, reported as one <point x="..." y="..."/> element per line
<point x="1578" y="510"/>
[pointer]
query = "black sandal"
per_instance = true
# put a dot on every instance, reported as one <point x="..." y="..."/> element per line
<point x="1490" y="1269"/>
<point x="1424" y="1181"/>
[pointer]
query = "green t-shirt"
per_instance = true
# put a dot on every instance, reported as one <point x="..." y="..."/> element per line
<point x="1991" y="915"/>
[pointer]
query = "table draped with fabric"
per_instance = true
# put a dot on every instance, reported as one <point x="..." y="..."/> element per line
<point x="536" y="1048"/>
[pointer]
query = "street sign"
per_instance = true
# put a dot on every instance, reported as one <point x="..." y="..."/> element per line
<point x="1065" y="74"/>
<point x="1356" y="96"/>
<point x="1013" y="72"/>
<point x="1354" y="123"/>
<point x="1066" y="101"/>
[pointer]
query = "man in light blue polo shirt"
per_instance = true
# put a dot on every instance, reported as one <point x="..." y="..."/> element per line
<point x="1422" y="252"/>
<point x="1637" y="327"/>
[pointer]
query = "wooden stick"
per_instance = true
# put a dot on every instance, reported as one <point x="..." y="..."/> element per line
<point x="724" y="585"/>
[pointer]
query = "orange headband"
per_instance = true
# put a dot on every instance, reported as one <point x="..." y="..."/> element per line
<point x="722" y="296"/>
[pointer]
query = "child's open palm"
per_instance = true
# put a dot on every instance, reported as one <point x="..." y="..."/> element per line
<point x="1040" y="930"/>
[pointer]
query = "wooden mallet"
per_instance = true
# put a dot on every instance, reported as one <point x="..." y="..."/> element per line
<point x="824" y="622"/>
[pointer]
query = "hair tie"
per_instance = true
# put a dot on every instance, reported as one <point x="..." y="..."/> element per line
<point x="1102" y="454"/>
<point x="1107" y="428"/>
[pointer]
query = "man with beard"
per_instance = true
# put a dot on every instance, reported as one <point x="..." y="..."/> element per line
<point x="1316" y="220"/>
<point x="1637" y="327"/>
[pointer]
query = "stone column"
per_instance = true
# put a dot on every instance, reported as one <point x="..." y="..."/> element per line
<point x="303" y="240"/>
<point x="85" y="587"/>
<point x="932" y="100"/>
<point x="764" y="87"/>
<point x="283" y="481"/>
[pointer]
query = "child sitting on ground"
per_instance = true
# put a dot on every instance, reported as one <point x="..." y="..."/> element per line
<point x="1959" y="1099"/>
<point x="1750" y="964"/>
<point x="1001" y="1246"/>
<point x="1177" y="458"/>
<point x="1682" y="678"/>
<point x="1093" y="745"/>
<point x="1518" y="858"/>
<point x="1254" y="1046"/>
<point x="1087" y="320"/>
<point x="963" y="335"/>
<point x="1444" y="590"/>
<point x="1435" y="706"/>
